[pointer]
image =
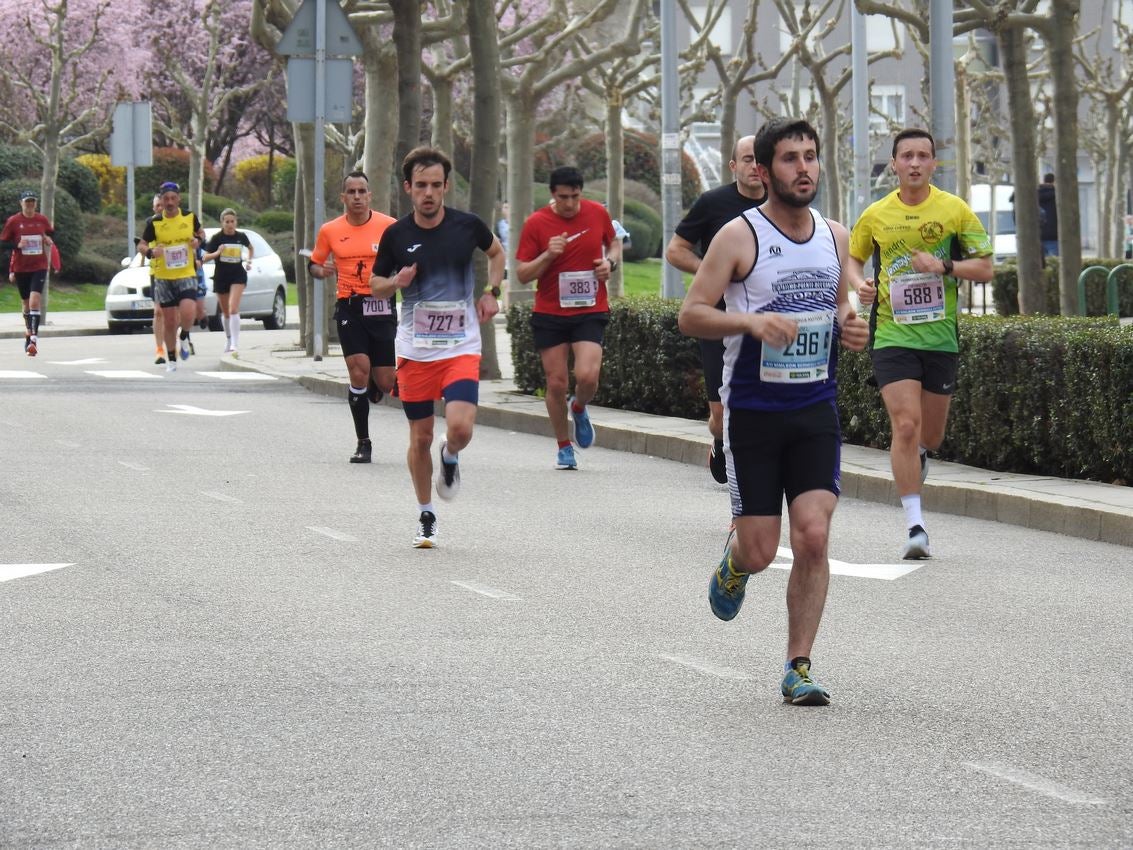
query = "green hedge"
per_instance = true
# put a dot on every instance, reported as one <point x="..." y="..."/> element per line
<point x="1039" y="395"/>
<point x="67" y="221"/>
<point x="1005" y="288"/>
<point x="275" y="221"/>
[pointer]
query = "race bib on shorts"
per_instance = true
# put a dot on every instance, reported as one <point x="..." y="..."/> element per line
<point x="806" y="358"/>
<point x="375" y="306"/>
<point x="917" y="298"/>
<point x="33" y="246"/>
<point x="578" y="289"/>
<point x="176" y="256"/>
<point x="230" y="253"/>
<point x="438" y="324"/>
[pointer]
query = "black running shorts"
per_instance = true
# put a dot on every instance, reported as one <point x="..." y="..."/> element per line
<point x="783" y="453"/>
<point x="936" y="370"/>
<point x="29" y="282"/>
<point x="369" y="335"/>
<point x="549" y="330"/>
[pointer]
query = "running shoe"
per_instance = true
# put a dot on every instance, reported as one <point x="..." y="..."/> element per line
<point x="727" y="586"/>
<point x="171" y="366"/>
<point x="157" y="361"/>
<point x="426" y="537"/>
<point x="33" y="345"/>
<point x="192" y="349"/>
<point x="235" y="354"/>
<point x="565" y="459"/>
<point x="184" y="349"/>
<point x="799" y="688"/>
<point x="583" y="429"/>
<point x="374" y="392"/>
<point x="916" y="548"/>
<point x="448" y="476"/>
<point x="924" y="466"/>
<point x="362" y="453"/>
<point x="27" y="341"/>
<point x="717" y="463"/>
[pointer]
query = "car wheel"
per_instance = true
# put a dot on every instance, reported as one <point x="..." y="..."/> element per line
<point x="118" y="327"/>
<point x="216" y="322"/>
<point x="278" y="318"/>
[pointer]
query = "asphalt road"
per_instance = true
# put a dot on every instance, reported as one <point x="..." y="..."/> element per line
<point x="243" y="649"/>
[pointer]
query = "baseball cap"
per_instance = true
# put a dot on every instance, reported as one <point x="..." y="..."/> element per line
<point x="29" y="195"/>
<point x="169" y="186"/>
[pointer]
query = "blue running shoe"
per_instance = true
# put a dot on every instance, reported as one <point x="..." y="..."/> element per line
<point x="726" y="588"/>
<point x="448" y="476"/>
<point x="566" y="460"/>
<point x="583" y="429"/>
<point x="800" y="689"/>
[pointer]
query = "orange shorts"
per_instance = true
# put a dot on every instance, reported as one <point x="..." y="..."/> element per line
<point x="426" y="380"/>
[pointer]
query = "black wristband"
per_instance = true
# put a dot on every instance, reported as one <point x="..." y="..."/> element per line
<point x="948" y="266"/>
<point x="149" y="253"/>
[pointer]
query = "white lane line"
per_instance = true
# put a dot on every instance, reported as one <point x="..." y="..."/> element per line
<point x="332" y="534"/>
<point x="121" y="373"/>
<point x="239" y="376"/>
<point x="89" y="361"/>
<point x="137" y="467"/>
<point x="68" y="444"/>
<point x="19" y="373"/>
<point x="11" y="571"/>
<point x="707" y="667"/>
<point x="484" y="590"/>
<point x="885" y="572"/>
<point x="190" y="410"/>
<point x="221" y="497"/>
<point x="1034" y="782"/>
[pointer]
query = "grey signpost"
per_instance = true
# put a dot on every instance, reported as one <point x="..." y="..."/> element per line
<point x="131" y="145"/>
<point x="672" y="283"/>
<point x="319" y="89"/>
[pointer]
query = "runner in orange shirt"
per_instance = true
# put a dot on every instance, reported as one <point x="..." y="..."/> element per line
<point x="346" y="248"/>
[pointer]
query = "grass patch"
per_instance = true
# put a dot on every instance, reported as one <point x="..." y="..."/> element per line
<point x="644" y="278"/>
<point x="65" y="297"/>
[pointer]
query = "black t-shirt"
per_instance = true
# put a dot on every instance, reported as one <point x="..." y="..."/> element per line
<point x="709" y="213"/>
<point x="443" y="255"/>
<point x="228" y="269"/>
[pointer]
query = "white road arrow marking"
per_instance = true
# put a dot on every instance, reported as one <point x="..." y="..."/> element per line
<point x="121" y="373"/>
<point x="484" y="590"/>
<point x="221" y="497"/>
<point x="11" y="571"/>
<point x="885" y="572"/>
<point x="19" y="373"/>
<point x="189" y="410"/>
<point x="1034" y="782"/>
<point x="89" y="361"/>
<point x="137" y="467"/>
<point x="239" y="376"/>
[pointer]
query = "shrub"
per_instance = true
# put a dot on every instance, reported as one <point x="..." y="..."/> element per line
<point x="1005" y="288"/>
<point x="19" y="162"/>
<point x="642" y="163"/>
<point x="283" y="181"/>
<point x="275" y="221"/>
<point x="169" y="164"/>
<point x="632" y="190"/>
<point x="641" y="240"/>
<point x="89" y="268"/>
<point x="213" y="205"/>
<point x="25" y="165"/>
<point x="111" y="178"/>
<point x="81" y="184"/>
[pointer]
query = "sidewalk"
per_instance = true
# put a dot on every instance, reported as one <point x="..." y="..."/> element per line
<point x="1077" y="508"/>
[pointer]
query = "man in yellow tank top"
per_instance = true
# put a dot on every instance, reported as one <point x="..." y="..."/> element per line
<point x="170" y="242"/>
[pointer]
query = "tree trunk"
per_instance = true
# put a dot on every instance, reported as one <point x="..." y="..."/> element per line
<point x="728" y="134"/>
<point x="1020" y="106"/>
<point x="1107" y="232"/>
<point x="832" y="182"/>
<point x="199" y="125"/>
<point x="615" y="176"/>
<point x="963" y="132"/>
<point x="442" y="115"/>
<point x="485" y="148"/>
<point x="380" y="132"/>
<point x="303" y="135"/>
<point x="407" y="38"/>
<point x="1060" y="52"/>
<point x="520" y="166"/>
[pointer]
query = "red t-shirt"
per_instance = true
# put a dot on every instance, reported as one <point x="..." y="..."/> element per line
<point x="36" y="254"/>
<point x="588" y="233"/>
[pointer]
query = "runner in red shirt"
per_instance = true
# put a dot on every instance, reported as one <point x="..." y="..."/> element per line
<point x="28" y="235"/>
<point x="571" y="248"/>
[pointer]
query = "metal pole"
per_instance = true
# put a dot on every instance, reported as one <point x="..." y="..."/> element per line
<point x="131" y="211"/>
<point x="672" y="284"/>
<point x="860" y="83"/>
<point x="942" y="89"/>
<point x="320" y="164"/>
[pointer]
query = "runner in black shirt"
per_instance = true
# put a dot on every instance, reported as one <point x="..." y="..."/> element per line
<point x="710" y="212"/>
<point x="230" y="275"/>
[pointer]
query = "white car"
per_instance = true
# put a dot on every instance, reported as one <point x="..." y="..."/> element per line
<point x="129" y="297"/>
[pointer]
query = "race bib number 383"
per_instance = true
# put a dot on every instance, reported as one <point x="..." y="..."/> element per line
<point x="917" y="298"/>
<point x="806" y="358"/>
<point x="578" y="289"/>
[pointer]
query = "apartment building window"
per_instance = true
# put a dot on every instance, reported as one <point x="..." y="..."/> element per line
<point x="721" y="34"/>
<point x="890" y="102"/>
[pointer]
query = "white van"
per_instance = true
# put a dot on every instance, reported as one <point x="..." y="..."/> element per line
<point x="1003" y="232"/>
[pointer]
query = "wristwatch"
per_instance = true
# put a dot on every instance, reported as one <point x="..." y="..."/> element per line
<point x="613" y="265"/>
<point x="947" y="266"/>
<point x="496" y="291"/>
